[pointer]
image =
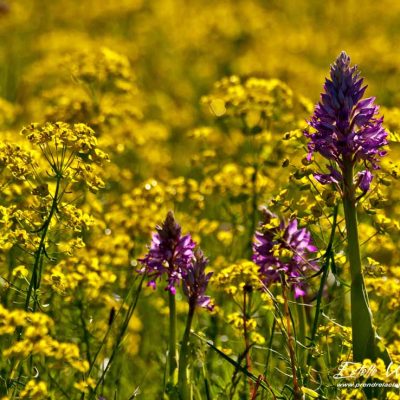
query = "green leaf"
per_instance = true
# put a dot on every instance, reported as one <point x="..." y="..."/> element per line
<point x="240" y="368"/>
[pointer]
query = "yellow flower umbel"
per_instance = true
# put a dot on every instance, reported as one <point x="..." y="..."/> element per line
<point x="70" y="150"/>
<point x="240" y="281"/>
<point x="252" y="100"/>
<point x="39" y="344"/>
<point x="34" y="390"/>
<point x="236" y="278"/>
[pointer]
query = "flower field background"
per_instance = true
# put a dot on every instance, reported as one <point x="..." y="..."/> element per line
<point x="183" y="215"/>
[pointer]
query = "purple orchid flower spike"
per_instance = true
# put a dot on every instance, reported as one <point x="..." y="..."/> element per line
<point x="170" y="254"/>
<point x="348" y="133"/>
<point x="196" y="281"/>
<point x="283" y="247"/>
<point x="346" y="127"/>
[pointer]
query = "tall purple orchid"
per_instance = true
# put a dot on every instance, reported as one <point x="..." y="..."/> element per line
<point x="170" y="254"/>
<point x="173" y="255"/>
<point x="348" y="132"/>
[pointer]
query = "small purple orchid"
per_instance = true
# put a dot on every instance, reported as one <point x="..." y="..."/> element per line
<point x="347" y="129"/>
<point x="196" y="281"/>
<point x="283" y="247"/>
<point x="170" y="253"/>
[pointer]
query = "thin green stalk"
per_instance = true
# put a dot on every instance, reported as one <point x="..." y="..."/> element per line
<point x="183" y="382"/>
<point x="325" y="268"/>
<point x="365" y="339"/>
<point x="301" y="318"/>
<point x="206" y="384"/>
<point x="297" y="393"/>
<point x="111" y="325"/>
<point x="86" y="334"/>
<point x="34" y="283"/>
<point x="254" y="182"/>
<point x="233" y="362"/>
<point x="172" y="356"/>
<point x="246" y="312"/>
<point x="36" y="271"/>
<point x="254" y="202"/>
<point x="120" y="336"/>
<point x="271" y="338"/>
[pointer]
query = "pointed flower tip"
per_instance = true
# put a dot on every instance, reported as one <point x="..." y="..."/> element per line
<point x="170" y="227"/>
<point x="342" y="65"/>
<point x="170" y="215"/>
<point x="344" y="57"/>
<point x="170" y="220"/>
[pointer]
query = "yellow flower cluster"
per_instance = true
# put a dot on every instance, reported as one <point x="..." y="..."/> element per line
<point x="237" y="321"/>
<point x="36" y="339"/>
<point x="237" y="278"/>
<point x="12" y="223"/>
<point x="15" y="160"/>
<point x="75" y="218"/>
<point x="234" y="181"/>
<point x="253" y="100"/>
<point x="332" y="331"/>
<point x="34" y="390"/>
<point x="80" y="271"/>
<point x="384" y="288"/>
<point x="84" y="386"/>
<point x="79" y="137"/>
<point x="103" y="67"/>
<point x="68" y="149"/>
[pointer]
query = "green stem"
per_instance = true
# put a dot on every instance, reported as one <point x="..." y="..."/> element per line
<point x="118" y="339"/>
<point x="325" y="268"/>
<point x="37" y="265"/>
<point x="86" y="334"/>
<point x="111" y="324"/>
<point x="297" y="394"/>
<point x="271" y="338"/>
<point x="36" y="271"/>
<point x="254" y="201"/>
<point x="365" y="339"/>
<point x="246" y="313"/>
<point x="172" y="358"/>
<point x="301" y="317"/>
<point x="183" y="382"/>
<point x="234" y="363"/>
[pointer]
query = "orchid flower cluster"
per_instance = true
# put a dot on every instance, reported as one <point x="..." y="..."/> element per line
<point x="173" y="255"/>
<point x="346" y="128"/>
<point x="281" y="247"/>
